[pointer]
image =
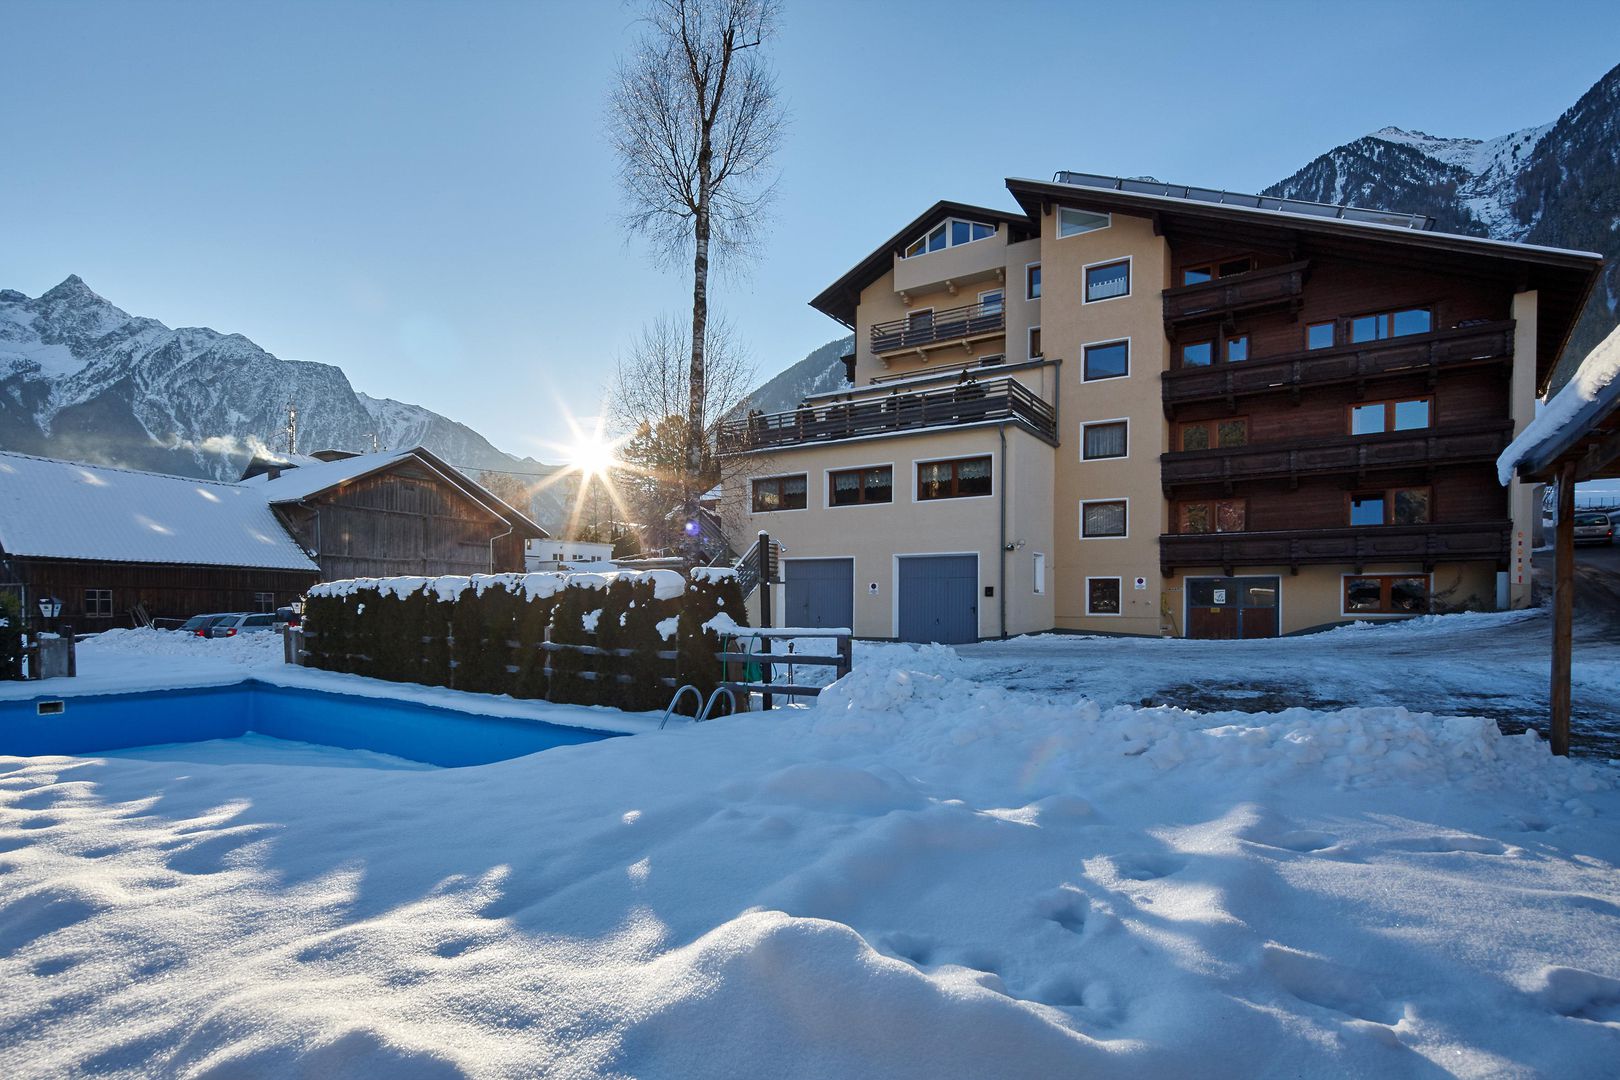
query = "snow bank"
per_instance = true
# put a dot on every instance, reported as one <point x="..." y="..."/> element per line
<point x="258" y="648"/>
<point x="1596" y="372"/>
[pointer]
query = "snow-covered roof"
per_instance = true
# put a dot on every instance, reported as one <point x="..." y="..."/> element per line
<point x="306" y="479"/>
<point x="1592" y="394"/>
<point x="63" y="510"/>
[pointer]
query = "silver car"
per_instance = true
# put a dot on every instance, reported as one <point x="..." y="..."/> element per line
<point x="1593" y="527"/>
<point x="232" y="625"/>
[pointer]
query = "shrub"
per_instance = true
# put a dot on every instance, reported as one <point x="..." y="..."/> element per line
<point x="12" y="628"/>
<point x="710" y="592"/>
<point x="567" y="666"/>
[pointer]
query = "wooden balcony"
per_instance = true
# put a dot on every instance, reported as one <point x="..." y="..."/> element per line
<point x="966" y="403"/>
<point x="963" y="325"/>
<point x="1257" y="290"/>
<point x="1357" y="548"/>
<point x="1345" y="455"/>
<point x="1427" y="354"/>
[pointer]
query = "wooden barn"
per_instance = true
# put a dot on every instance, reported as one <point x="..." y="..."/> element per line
<point x="392" y="513"/>
<point x="117" y="547"/>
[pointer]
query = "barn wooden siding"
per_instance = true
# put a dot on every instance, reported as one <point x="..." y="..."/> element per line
<point x="163" y="591"/>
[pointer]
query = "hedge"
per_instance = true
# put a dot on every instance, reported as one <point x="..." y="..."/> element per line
<point x="487" y="633"/>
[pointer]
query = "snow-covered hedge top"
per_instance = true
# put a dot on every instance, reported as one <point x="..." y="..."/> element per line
<point x="667" y="584"/>
<point x="1596" y="372"/>
<point x="713" y="573"/>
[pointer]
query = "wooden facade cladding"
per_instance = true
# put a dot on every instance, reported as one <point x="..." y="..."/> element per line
<point x="976" y="402"/>
<point x="162" y="591"/>
<point x="407" y="520"/>
<point x="1429" y="355"/>
<point x="1357" y="547"/>
<point x="1246" y="293"/>
<point x="1349" y="455"/>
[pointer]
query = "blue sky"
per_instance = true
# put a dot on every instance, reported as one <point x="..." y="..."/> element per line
<point x="421" y="193"/>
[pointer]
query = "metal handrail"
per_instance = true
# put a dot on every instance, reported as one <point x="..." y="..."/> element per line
<point x="946" y="324"/>
<point x="676" y="700"/>
<point x="714" y="697"/>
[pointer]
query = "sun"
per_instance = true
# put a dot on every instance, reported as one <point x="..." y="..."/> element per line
<point x="592" y="454"/>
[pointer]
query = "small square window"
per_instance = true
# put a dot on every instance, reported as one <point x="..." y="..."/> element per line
<point x="1105" y="440"/>
<point x="1197" y="354"/>
<point x="1237" y="348"/>
<point x="1109" y="361"/>
<point x="1410" y="415"/>
<point x="1367" y="419"/>
<point x="98" y="603"/>
<point x="1367" y="509"/>
<point x="1319" y="336"/>
<point x="1108" y="281"/>
<point x="1102" y="519"/>
<point x="1032" y="282"/>
<point x="1102" y="596"/>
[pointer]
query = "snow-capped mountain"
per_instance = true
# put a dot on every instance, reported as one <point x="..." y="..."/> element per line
<point x="821" y="370"/>
<point x="1557" y="184"/>
<point x="82" y="379"/>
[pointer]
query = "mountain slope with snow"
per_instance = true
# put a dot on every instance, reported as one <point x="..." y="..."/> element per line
<point x="82" y="379"/>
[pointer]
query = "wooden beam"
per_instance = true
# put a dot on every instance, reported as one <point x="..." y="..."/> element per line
<point x="1563" y="607"/>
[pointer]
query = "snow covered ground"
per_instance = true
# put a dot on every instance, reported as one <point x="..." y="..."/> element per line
<point x="928" y="874"/>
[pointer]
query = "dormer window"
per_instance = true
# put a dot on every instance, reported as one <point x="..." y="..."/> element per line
<point x="952" y="233"/>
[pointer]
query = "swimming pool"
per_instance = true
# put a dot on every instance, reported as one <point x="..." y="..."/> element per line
<point x="91" y="723"/>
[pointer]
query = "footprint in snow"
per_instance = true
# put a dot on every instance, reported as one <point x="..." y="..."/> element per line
<point x="912" y="948"/>
<point x="1302" y="841"/>
<point x="1146" y="866"/>
<point x="1066" y="906"/>
<point x="1328" y="985"/>
<point x="1581" y="995"/>
<point x="1450" y="845"/>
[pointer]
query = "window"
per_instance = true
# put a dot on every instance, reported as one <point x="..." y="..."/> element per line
<point x="993" y="302"/>
<point x="993" y="360"/>
<point x="1032" y="281"/>
<point x="1039" y="574"/>
<point x="1035" y="343"/>
<point x="1398" y="506"/>
<point x="1390" y="324"/>
<point x="1103" y="440"/>
<point x="1107" y="361"/>
<point x="265" y="601"/>
<point x="1075" y="222"/>
<point x="958" y="479"/>
<point x="1102" y="519"/>
<point x="859" y="487"/>
<point x="1108" y="281"/>
<point x="952" y="233"/>
<point x="1102" y="595"/>
<point x="920" y="321"/>
<point x="1408" y="414"/>
<point x="1386" y="594"/>
<point x="1319" y="336"/>
<point x="780" y="493"/>
<point x="1197" y="275"/>
<point x="1212" y="515"/>
<point x="1237" y="348"/>
<point x="1215" y="434"/>
<point x="1197" y="354"/>
<point x="98" y="603"/>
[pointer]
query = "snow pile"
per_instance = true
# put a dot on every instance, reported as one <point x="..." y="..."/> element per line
<point x="1594" y="375"/>
<point x="256" y="648"/>
<point x="923" y="877"/>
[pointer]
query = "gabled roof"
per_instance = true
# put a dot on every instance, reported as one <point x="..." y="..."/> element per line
<point x="296" y="484"/>
<point x="54" y="509"/>
<point x="838" y="300"/>
<point x="1562" y="277"/>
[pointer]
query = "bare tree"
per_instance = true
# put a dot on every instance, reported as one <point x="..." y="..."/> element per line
<point x="648" y="399"/>
<point x="695" y="119"/>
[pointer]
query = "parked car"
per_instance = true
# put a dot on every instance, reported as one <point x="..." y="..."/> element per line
<point x="1593" y="527"/>
<point x="288" y="616"/>
<point x="232" y="625"/>
<point x="200" y="624"/>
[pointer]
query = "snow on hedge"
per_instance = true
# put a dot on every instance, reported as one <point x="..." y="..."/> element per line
<point x="922" y="877"/>
<point x="1596" y="372"/>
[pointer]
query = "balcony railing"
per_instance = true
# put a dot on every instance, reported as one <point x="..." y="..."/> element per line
<point x="923" y="330"/>
<point x="965" y="403"/>
<point x="1251" y="291"/>
<point x="1425" y="544"/>
<point x="1416" y="353"/>
<point x="1349" y="454"/>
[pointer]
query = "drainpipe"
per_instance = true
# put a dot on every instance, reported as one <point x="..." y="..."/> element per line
<point x="1001" y="585"/>
<point x="508" y="532"/>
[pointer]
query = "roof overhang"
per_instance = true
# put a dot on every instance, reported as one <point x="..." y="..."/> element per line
<point x="838" y="300"/>
<point x="1562" y="278"/>
<point x="1590" y="439"/>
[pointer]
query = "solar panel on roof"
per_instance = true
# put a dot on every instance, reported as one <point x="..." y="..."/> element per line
<point x="1341" y="211"/>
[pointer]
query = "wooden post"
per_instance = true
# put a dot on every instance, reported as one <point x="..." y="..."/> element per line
<point x="846" y="659"/>
<point x="1563" y="607"/>
<point x="763" y="551"/>
<point x="765" y="672"/>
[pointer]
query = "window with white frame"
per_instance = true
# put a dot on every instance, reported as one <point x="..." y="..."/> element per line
<point x="1108" y="281"/>
<point x="992" y="302"/>
<point x="1106" y="360"/>
<point x="1103" y="439"/>
<point x="951" y="233"/>
<point x="98" y="603"/>
<point x="1032" y="281"/>
<point x="1075" y="222"/>
<point x="1102" y="519"/>
<point x="1039" y="572"/>
<point x="780" y="493"/>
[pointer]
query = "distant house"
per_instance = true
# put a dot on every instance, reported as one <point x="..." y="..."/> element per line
<point x="391" y="513"/>
<point x="570" y="554"/>
<point x="116" y="546"/>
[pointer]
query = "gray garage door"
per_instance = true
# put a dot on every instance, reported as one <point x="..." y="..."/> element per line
<point x="939" y="598"/>
<point x="820" y="592"/>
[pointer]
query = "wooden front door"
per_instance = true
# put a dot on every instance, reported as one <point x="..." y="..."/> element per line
<point x="1230" y="608"/>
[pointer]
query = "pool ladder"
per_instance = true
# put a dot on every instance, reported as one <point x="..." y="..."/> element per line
<point x="706" y="707"/>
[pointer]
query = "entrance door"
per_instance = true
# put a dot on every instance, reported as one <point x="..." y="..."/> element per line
<point x="939" y="598"/>
<point x="820" y="592"/>
<point x="1228" y="608"/>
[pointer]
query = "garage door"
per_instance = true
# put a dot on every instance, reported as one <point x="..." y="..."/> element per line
<point x="820" y="592"/>
<point x="939" y="598"/>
